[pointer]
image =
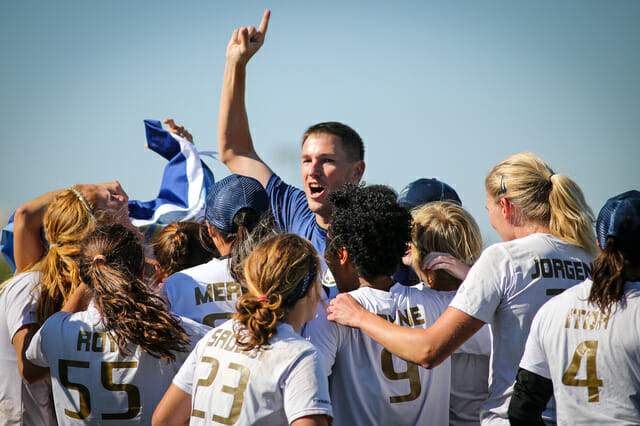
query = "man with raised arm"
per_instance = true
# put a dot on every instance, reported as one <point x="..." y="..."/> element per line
<point x="332" y="153"/>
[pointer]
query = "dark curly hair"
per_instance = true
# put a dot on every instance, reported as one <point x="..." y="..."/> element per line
<point x="370" y="224"/>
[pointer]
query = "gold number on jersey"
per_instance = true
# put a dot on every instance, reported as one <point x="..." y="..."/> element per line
<point x="236" y="391"/>
<point x="106" y="374"/>
<point x="205" y="382"/>
<point x="412" y="374"/>
<point x="133" y="394"/>
<point x="83" y="391"/>
<point x="238" y="395"/>
<point x="211" y="319"/>
<point x="592" y="383"/>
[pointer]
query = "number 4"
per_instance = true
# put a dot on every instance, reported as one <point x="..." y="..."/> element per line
<point x="592" y="383"/>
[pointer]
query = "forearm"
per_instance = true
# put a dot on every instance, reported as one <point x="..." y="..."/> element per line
<point x="234" y="137"/>
<point x="28" y="247"/>
<point x="411" y="344"/>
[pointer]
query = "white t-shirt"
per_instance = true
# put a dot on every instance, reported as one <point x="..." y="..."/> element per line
<point x="469" y="375"/>
<point x="592" y="359"/>
<point x="93" y="383"/>
<point x="205" y="293"/>
<point x="505" y="288"/>
<point x="368" y="384"/>
<point x="274" y="385"/>
<point x="20" y="402"/>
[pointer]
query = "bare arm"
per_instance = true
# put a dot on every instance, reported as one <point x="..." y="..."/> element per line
<point x="317" y="420"/>
<point x="29" y="371"/>
<point x="428" y="347"/>
<point x="234" y="139"/>
<point x="28" y="247"/>
<point x="173" y="409"/>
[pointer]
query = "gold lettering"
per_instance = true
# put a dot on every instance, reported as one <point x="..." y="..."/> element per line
<point x="218" y="292"/>
<point x="603" y="323"/>
<point x="416" y="315"/>
<point x="233" y="288"/>
<point x="403" y="317"/>
<point x="84" y="339"/>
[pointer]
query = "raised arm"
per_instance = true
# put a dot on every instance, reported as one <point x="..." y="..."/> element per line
<point x="234" y="139"/>
<point x="428" y="347"/>
<point x="28" y="247"/>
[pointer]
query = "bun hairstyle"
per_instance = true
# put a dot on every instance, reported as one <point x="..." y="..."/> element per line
<point x="544" y="197"/>
<point x="446" y="227"/>
<point x="618" y="230"/>
<point x="111" y="265"/>
<point x="277" y="273"/>
<point x="182" y="245"/>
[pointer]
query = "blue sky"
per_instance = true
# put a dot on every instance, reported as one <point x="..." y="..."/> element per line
<point x="436" y="88"/>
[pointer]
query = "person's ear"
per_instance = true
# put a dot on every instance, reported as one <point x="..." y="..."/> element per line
<point x="357" y="171"/>
<point x="507" y="209"/>
<point x="342" y="255"/>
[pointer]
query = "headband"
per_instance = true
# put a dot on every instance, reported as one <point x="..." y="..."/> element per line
<point x="302" y="286"/>
<point x="81" y="197"/>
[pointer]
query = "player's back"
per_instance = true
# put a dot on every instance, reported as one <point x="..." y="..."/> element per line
<point x="368" y="384"/>
<point x="93" y="383"/>
<point x="593" y="359"/>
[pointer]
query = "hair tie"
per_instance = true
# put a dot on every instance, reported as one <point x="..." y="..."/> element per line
<point x="54" y="245"/>
<point x="82" y="199"/>
<point x="550" y="176"/>
<point x="99" y="257"/>
<point x="262" y="298"/>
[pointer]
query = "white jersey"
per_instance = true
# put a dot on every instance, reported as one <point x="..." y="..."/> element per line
<point x="505" y="288"/>
<point x="592" y="359"/>
<point x="368" y="384"/>
<point x="205" y="293"/>
<point x="273" y="385"/>
<point x="469" y="375"/>
<point x="20" y="402"/>
<point x="93" y="383"/>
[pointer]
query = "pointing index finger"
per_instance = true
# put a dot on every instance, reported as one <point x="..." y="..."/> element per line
<point x="265" y="22"/>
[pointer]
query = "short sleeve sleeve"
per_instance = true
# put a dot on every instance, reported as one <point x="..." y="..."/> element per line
<point x="34" y="352"/>
<point x="306" y="389"/>
<point x="324" y="335"/>
<point x="534" y="358"/>
<point x="184" y="378"/>
<point x="481" y="292"/>
<point x="288" y="205"/>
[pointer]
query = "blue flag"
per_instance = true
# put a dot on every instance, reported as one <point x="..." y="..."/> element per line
<point x="183" y="192"/>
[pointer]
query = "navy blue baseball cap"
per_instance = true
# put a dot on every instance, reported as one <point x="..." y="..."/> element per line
<point x="424" y="191"/>
<point x="620" y="218"/>
<point x="227" y="196"/>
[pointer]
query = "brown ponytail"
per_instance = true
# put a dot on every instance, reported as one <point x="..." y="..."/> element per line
<point x="111" y="265"/>
<point x="609" y="277"/>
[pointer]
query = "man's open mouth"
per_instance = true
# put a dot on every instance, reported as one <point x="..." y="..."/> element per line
<point x="315" y="189"/>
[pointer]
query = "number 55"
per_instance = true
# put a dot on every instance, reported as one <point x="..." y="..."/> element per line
<point x="106" y="375"/>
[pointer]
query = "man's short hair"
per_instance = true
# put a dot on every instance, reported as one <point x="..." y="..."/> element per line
<point x="351" y="141"/>
<point x="370" y="224"/>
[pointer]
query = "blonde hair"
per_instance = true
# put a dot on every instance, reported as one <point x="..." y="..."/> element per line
<point x="544" y="197"/>
<point x="67" y="221"/>
<point x="445" y="227"/>
<point x="275" y="274"/>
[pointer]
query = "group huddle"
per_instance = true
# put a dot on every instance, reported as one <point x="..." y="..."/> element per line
<point x="336" y="303"/>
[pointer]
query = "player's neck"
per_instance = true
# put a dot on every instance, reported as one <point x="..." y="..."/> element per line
<point x="380" y="283"/>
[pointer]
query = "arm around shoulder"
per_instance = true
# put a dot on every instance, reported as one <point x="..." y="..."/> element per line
<point x="429" y="347"/>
